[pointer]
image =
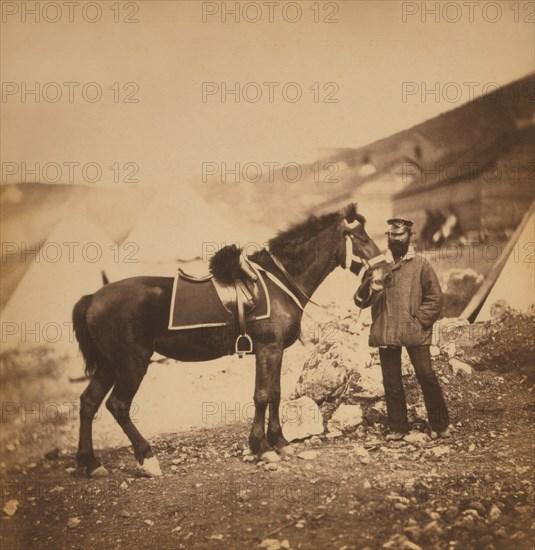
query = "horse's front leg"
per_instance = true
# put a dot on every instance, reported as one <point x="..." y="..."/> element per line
<point x="268" y="362"/>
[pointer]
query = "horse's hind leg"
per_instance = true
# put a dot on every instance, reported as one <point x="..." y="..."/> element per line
<point x="274" y="431"/>
<point x="90" y="401"/>
<point x="119" y="404"/>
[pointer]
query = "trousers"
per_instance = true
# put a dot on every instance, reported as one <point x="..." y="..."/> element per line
<point x="396" y="404"/>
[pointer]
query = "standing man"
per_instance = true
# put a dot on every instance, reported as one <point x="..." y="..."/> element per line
<point x="403" y="315"/>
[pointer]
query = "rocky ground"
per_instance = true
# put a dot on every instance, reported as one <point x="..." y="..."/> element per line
<point x="347" y="488"/>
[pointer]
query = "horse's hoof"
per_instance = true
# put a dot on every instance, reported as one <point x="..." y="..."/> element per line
<point x="287" y="450"/>
<point x="270" y="456"/>
<point x="99" y="472"/>
<point x="151" y="467"/>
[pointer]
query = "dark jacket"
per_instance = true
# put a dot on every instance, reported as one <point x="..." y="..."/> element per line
<point x="403" y="314"/>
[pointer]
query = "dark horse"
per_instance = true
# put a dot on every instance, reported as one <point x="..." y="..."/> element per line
<point x="120" y="326"/>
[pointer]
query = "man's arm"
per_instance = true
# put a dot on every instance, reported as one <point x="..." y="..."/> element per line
<point x="431" y="306"/>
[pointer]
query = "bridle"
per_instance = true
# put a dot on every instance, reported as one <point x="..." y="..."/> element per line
<point x="350" y="257"/>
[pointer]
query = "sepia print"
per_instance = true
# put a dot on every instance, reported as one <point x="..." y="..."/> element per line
<point x="267" y="274"/>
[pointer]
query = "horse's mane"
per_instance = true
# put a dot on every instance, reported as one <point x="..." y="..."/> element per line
<point x="302" y="232"/>
<point x="305" y="230"/>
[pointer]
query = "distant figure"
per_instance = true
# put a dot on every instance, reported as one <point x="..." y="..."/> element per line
<point x="433" y="222"/>
<point x="403" y="315"/>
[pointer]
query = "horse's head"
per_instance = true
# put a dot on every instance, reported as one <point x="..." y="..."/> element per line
<point x="359" y="250"/>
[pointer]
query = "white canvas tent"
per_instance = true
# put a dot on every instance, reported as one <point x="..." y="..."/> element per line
<point x="67" y="266"/>
<point x="513" y="277"/>
<point x="179" y="225"/>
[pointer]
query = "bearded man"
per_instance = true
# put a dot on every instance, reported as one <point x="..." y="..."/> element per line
<point x="403" y="315"/>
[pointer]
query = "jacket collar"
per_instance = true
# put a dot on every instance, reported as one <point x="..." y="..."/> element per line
<point x="409" y="256"/>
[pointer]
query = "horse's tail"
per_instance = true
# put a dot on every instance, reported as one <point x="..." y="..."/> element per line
<point x="86" y="344"/>
<point x="105" y="280"/>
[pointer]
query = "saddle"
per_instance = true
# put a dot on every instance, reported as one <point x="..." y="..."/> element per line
<point x="208" y="301"/>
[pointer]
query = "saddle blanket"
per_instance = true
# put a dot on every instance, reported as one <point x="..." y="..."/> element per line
<point x="197" y="304"/>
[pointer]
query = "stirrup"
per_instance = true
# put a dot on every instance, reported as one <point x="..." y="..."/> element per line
<point x="249" y="349"/>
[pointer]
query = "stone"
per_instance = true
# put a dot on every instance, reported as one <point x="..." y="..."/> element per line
<point x="417" y="438"/>
<point x="451" y="349"/>
<point x="345" y="417"/>
<point x="72" y="523"/>
<point x="308" y="455"/>
<point x="414" y="532"/>
<point x="370" y="383"/>
<point x="400" y="542"/>
<point x="300" y="418"/>
<point x="494" y="513"/>
<point x="440" y="450"/>
<point x="460" y="367"/>
<point x="435" y="351"/>
<point x="270" y="544"/>
<point x="10" y="507"/>
<point x="432" y="529"/>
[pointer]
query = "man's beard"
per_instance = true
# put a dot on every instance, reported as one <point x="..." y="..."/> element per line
<point x="398" y="249"/>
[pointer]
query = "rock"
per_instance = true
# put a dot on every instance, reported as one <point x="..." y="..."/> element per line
<point x="460" y="368"/>
<point x="435" y="351"/>
<point x="270" y="544"/>
<point x="52" y="454"/>
<point x="417" y="438"/>
<point x="400" y="542"/>
<point x="362" y="453"/>
<point x="308" y="455"/>
<point x="494" y="513"/>
<point x="72" y="523"/>
<point x="439" y="450"/>
<point x="324" y="372"/>
<point x="369" y="385"/>
<point x="432" y="529"/>
<point x="451" y="349"/>
<point x="124" y="514"/>
<point x="414" y="532"/>
<point x="400" y="506"/>
<point x="248" y="458"/>
<point x="10" y="507"/>
<point x="367" y="485"/>
<point x="333" y="434"/>
<point x="148" y="522"/>
<point x="300" y="418"/>
<point x="124" y="485"/>
<point x="285" y="544"/>
<point x="271" y="466"/>
<point x="345" y="417"/>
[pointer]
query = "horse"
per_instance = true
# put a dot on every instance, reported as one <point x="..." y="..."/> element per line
<point x="119" y="327"/>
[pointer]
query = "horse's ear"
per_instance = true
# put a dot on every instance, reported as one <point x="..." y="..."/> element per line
<point x="350" y="213"/>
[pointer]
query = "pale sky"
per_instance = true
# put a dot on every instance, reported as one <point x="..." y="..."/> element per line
<point x="367" y="57"/>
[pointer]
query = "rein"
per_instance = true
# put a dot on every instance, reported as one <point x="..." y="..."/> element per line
<point x="277" y="262"/>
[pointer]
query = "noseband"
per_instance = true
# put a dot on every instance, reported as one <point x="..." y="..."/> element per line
<point x="350" y="257"/>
